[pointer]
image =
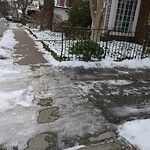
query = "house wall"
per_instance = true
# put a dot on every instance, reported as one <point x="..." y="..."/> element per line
<point x="62" y="9"/>
<point x="62" y="12"/>
<point x="141" y="27"/>
<point x="70" y="3"/>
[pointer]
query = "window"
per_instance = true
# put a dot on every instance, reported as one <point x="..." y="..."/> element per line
<point x="122" y="15"/>
<point x="62" y="3"/>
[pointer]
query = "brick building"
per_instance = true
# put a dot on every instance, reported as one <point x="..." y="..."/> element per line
<point x="122" y="15"/>
<point x="143" y="23"/>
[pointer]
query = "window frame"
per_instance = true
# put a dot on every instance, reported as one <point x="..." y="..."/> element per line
<point x="110" y="24"/>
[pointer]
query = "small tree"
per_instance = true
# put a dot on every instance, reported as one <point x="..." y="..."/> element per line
<point x="4" y="7"/>
<point x="79" y="14"/>
<point x="96" y="9"/>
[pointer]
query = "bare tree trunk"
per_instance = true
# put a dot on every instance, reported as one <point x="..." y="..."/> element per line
<point x="47" y="15"/>
<point x="96" y="9"/>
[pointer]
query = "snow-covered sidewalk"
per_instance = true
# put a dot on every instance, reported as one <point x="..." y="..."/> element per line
<point x="18" y="113"/>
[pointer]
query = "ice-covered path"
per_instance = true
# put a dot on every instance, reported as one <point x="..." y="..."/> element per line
<point x="40" y="106"/>
<point x="18" y="112"/>
<point x="46" y="107"/>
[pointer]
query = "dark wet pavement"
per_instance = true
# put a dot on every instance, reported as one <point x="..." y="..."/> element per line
<point x="122" y="94"/>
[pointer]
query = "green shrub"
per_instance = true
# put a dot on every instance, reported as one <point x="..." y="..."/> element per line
<point x="89" y="49"/>
<point x="79" y="15"/>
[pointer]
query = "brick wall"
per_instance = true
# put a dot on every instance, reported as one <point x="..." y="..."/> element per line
<point x="69" y="3"/>
<point x="143" y="16"/>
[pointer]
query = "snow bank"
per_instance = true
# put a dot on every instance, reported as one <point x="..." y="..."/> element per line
<point x="137" y="132"/>
<point x="6" y="44"/>
<point x="135" y="63"/>
<point x="108" y="63"/>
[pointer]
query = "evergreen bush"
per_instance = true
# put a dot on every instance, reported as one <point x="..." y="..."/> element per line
<point x="79" y="15"/>
<point x="88" y="49"/>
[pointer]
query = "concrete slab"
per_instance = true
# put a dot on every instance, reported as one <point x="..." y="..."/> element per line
<point x="27" y="49"/>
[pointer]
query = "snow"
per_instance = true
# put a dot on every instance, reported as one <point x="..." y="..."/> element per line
<point x="17" y="111"/>
<point x="20" y="11"/>
<point x="18" y="89"/>
<point x="75" y="147"/>
<point x="21" y="89"/>
<point x="137" y="132"/>
<point x="53" y="40"/>
<point x="6" y="44"/>
<point x="118" y="82"/>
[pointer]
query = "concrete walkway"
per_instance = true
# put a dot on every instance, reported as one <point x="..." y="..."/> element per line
<point x="27" y="49"/>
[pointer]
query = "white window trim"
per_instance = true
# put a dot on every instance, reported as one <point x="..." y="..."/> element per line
<point x="136" y="16"/>
<point x="113" y="12"/>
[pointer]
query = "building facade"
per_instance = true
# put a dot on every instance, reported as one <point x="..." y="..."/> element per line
<point x="62" y="7"/>
<point x="127" y="16"/>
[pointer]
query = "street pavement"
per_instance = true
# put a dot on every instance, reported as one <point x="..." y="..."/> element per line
<point x="77" y="105"/>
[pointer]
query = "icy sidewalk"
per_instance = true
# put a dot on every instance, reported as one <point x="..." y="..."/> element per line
<point x="18" y="112"/>
<point x="46" y="108"/>
<point x="15" y="95"/>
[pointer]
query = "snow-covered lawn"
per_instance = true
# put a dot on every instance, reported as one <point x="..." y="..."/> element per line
<point x="53" y="40"/>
